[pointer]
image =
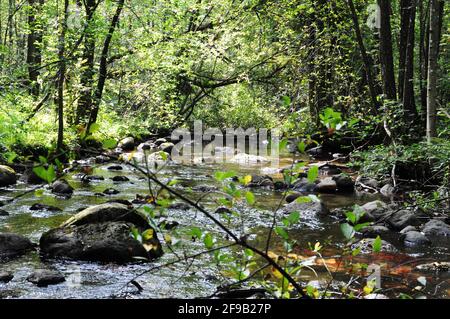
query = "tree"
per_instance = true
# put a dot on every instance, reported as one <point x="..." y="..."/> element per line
<point x="34" y="44"/>
<point x="433" y="56"/>
<point x="386" y="51"/>
<point x="62" y="74"/>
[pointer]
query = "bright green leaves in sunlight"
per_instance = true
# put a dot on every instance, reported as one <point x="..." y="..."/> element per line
<point x="109" y="144"/>
<point x="222" y="176"/>
<point x="313" y="173"/>
<point x="46" y="174"/>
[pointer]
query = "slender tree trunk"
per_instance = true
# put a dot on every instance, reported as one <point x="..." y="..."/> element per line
<point x="104" y="65"/>
<point x="34" y="43"/>
<point x="408" y="85"/>
<point x="62" y="74"/>
<point x="87" y="67"/>
<point x="386" y="52"/>
<point x="433" y="69"/>
<point x="365" y="57"/>
<point x="405" y="18"/>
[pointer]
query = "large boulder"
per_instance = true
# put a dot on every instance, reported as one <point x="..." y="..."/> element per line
<point x="7" y="176"/>
<point x="436" y="227"/>
<point x="102" y="233"/>
<point x="12" y="245"/>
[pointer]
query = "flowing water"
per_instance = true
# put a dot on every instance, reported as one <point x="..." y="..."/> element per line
<point x="201" y="277"/>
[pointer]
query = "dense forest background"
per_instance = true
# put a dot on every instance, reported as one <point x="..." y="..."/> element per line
<point x="136" y="67"/>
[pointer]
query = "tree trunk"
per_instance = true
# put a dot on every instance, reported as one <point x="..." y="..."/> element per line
<point x="408" y="86"/>
<point x="386" y="52"/>
<point x="405" y="18"/>
<point x="104" y="66"/>
<point x="87" y="67"/>
<point x="365" y="57"/>
<point x="433" y="57"/>
<point x="34" y="43"/>
<point x="62" y="75"/>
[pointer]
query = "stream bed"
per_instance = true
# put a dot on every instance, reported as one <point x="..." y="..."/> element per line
<point x="201" y="278"/>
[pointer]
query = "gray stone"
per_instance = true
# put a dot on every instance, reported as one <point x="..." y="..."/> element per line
<point x="376" y="296"/>
<point x="436" y="227"/>
<point x="12" y="245"/>
<point x="327" y="185"/>
<point x="402" y="219"/>
<point x="61" y="187"/>
<point x="375" y="231"/>
<point x="414" y="239"/>
<point x="408" y="229"/>
<point x="387" y="190"/>
<point x="3" y="213"/>
<point x="309" y="209"/>
<point x="44" y="278"/>
<point x="127" y="144"/>
<point x="7" y="176"/>
<point x="102" y="233"/>
<point x="344" y="183"/>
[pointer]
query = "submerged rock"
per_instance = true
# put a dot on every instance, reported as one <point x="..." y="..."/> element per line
<point x="309" y="209"/>
<point x="111" y="191"/>
<point x="44" y="278"/>
<point x="248" y="159"/>
<point x="375" y="231"/>
<point x="12" y="245"/>
<point x="7" y="176"/>
<point x="102" y="233"/>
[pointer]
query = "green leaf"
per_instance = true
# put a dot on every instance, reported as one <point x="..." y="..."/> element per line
<point x="250" y="197"/>
<point x="303" y="200"/>
<point x="313" y="173"/>
<point x="196" y="232"/>
<point x="208" y="241"/>
<point x="348" y="231"/>
<point x="283" y="144"/>
<point x="301" y="147"/>
<point x="95" y="127"/>
<point x="377" y="245"/>
<point x="109" y="144"/>
<point x="294" y="218"/>
<point x="282" y="233"/>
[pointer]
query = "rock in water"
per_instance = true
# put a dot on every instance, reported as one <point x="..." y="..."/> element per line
<point x="12" y="245"/>
<point x="402" y="219"/>
<point x="414" y="239"/>
<point x="3" y="213"/>
<point x="44" y="278"/>
<point x="102" y="233"/>
<point x="127" y="144"/>
<point x="6" y="277"/>
<point x="61" y="187"/>
<point x="344" y="183"/>
<point x="327" y="186"/>
<point x="436" y="228"/>
<point x="7" y="176"/>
